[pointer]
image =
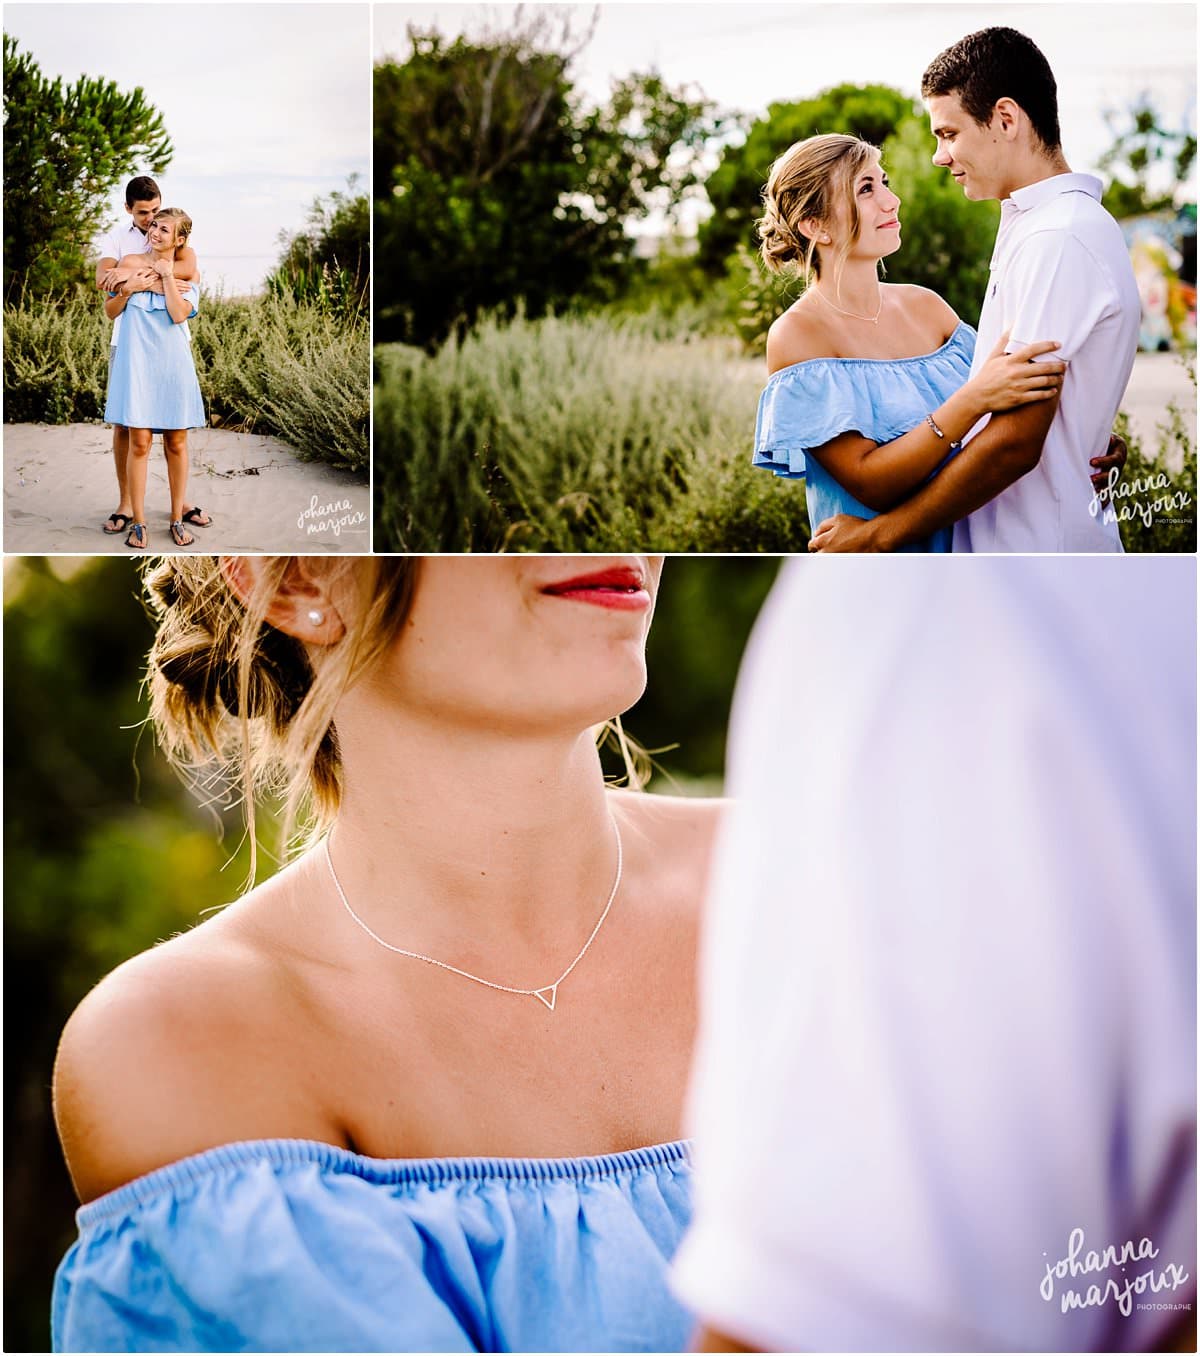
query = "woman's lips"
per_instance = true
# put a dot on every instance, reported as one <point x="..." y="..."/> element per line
<point x="621" y="589"/>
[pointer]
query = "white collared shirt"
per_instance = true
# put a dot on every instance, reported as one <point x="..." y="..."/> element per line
<point x="119" y="242"/>
<point x="948" y="984"/>
<point x="1060" y="270"/>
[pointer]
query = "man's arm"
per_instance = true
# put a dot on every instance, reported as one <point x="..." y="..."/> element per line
<point x="103" y="268"/>
<point x="1008" y="448"/>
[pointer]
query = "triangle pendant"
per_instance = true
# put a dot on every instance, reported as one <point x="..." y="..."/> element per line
<point x="548" y="995"/>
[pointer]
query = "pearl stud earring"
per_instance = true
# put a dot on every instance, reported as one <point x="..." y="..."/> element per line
<point x="316" y="616"/>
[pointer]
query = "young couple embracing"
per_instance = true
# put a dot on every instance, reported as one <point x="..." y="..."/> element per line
<point x="150" y="277"/>
<point x="915" y="431"/>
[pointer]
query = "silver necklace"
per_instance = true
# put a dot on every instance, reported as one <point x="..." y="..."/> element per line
<point x="873" y="319"/>
<point x="548" y="993"/>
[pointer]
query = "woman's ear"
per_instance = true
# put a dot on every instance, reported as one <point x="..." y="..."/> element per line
<point x="300" y="605"/>
<point x="812" y="228"/>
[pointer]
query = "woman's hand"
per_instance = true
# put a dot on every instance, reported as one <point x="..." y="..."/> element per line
<point x="1007" y="380"/>
<point x="165" y="268"/>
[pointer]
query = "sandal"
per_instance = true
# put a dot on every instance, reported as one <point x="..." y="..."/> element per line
<point x="138" y="531"/>
<point x="194" y="515"/>
<point x="120" y="521"/>
<point x="180" y="535"/>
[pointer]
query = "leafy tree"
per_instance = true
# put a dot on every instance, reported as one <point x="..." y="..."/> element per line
<point x="329" y="262"/>
<point x="66" y="147"/>
<point x="494" y="186"/>
<point x="1141" y="143"/>
<point x="734" y="188"/>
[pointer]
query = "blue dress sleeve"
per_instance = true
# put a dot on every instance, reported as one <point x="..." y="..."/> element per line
<point x="803" y="407"/>
<point x="806" y="405"/>
<point x="256" y="1260"/>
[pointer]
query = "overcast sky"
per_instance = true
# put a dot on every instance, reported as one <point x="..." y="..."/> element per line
<point x="748" y="55"/>
<point x="267" y="105"/>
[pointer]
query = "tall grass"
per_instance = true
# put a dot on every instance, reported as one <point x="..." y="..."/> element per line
<point x="574" y="433"/>
<point x="268" y="364"/>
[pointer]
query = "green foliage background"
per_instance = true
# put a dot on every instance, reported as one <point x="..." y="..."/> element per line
<point x="66" y="147"/>
<point x="295" y="369"/>
<point x="105" y="851"/>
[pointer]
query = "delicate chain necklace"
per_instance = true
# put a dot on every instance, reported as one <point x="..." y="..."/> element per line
<point x="873" y="319"/>
<point x="548" y="993"/>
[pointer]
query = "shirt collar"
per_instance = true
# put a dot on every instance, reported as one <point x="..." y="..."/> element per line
<point x="1033" y="195"/>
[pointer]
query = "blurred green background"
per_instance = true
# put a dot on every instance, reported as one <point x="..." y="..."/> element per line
<point x="107" y="852"/>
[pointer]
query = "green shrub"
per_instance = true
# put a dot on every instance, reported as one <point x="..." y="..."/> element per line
<point x="271" y="364"/>
<point x="574" y="433"/>
<point x="1158" y="512"/>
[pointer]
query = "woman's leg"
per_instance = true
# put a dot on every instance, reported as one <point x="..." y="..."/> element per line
<point x="135" y="471"/>
<point x="175" y="446"/>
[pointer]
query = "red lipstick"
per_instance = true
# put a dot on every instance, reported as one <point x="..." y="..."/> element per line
<point x="622" y="588"/>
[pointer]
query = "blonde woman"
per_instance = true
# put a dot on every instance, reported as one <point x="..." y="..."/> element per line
<point x="152" y="386"/>
<point x="868" y="393"/>
<point x="422" y="1089"/>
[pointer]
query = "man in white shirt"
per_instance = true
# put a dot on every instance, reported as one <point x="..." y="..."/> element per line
<point x="142" y="202"/>
<point x="1060" y="270"/>
<point x="947" y="1054"/>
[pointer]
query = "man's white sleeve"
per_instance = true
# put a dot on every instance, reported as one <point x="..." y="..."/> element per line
<point x="948" y="990"/>
<point x="1055" y="288"/>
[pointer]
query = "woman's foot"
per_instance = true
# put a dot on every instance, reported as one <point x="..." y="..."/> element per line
<point x="180" y="535"/>
<point x="117" y="522"/>
<point x="137" y="537"/>
<point x="196" y="517"/>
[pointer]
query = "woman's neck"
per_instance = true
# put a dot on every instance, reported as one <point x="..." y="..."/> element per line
<point x="444" y="835"/>
<point x="854" y="287"/>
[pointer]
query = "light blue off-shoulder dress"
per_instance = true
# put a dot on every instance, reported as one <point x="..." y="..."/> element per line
<point x="807" y="404"/>
<point x="153" y="383"/>
<point x="293" y="1245"/>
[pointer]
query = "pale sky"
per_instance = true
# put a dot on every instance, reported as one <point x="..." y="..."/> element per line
<point x="268" y="107"/>
<point x="746" y="56"/>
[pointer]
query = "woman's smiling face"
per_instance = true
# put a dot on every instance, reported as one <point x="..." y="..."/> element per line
<point x="535" y="644"/>
<point x="161" y="235"/>
<point x="878" y="217"/>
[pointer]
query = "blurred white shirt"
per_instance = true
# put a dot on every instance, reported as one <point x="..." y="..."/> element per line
<point x="949" y="967"/>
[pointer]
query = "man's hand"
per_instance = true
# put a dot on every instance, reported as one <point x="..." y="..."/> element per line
<point x="1113" y="460"/>
<point x="843" y="532"/>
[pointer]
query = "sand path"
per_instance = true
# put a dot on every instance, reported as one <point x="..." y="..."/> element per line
<point x="59" y="486"/>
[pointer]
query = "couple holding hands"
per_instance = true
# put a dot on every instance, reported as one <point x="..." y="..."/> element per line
<point x="151" y="280"/>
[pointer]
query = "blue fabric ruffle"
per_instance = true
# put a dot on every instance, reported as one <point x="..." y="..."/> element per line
<point x="294" y="1245"/>
<point x="807" y="404"/>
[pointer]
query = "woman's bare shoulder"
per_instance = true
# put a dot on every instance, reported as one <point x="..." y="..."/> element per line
<point x="797" y="336"/>
<point x="174" y="1052"/>
<point x="925" y="302"/>
<point x="677" y="833"/>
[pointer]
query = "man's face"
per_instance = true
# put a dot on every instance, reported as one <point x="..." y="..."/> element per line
<point x="143" y="212"/>
<point x="976" y="156"/>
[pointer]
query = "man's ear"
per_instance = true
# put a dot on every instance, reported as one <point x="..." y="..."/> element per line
<point x="1007" y="118"/>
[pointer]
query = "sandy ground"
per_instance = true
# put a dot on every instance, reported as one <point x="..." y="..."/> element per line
<point x="59" y="486"/>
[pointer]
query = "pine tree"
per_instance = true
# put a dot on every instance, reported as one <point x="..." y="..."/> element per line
<point x="66" y="147"/>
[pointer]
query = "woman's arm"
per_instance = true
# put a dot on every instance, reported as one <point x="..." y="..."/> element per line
<point x="881" y="475"/>
<point x="115" y="303"/>
<point x="178" y="306"/>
